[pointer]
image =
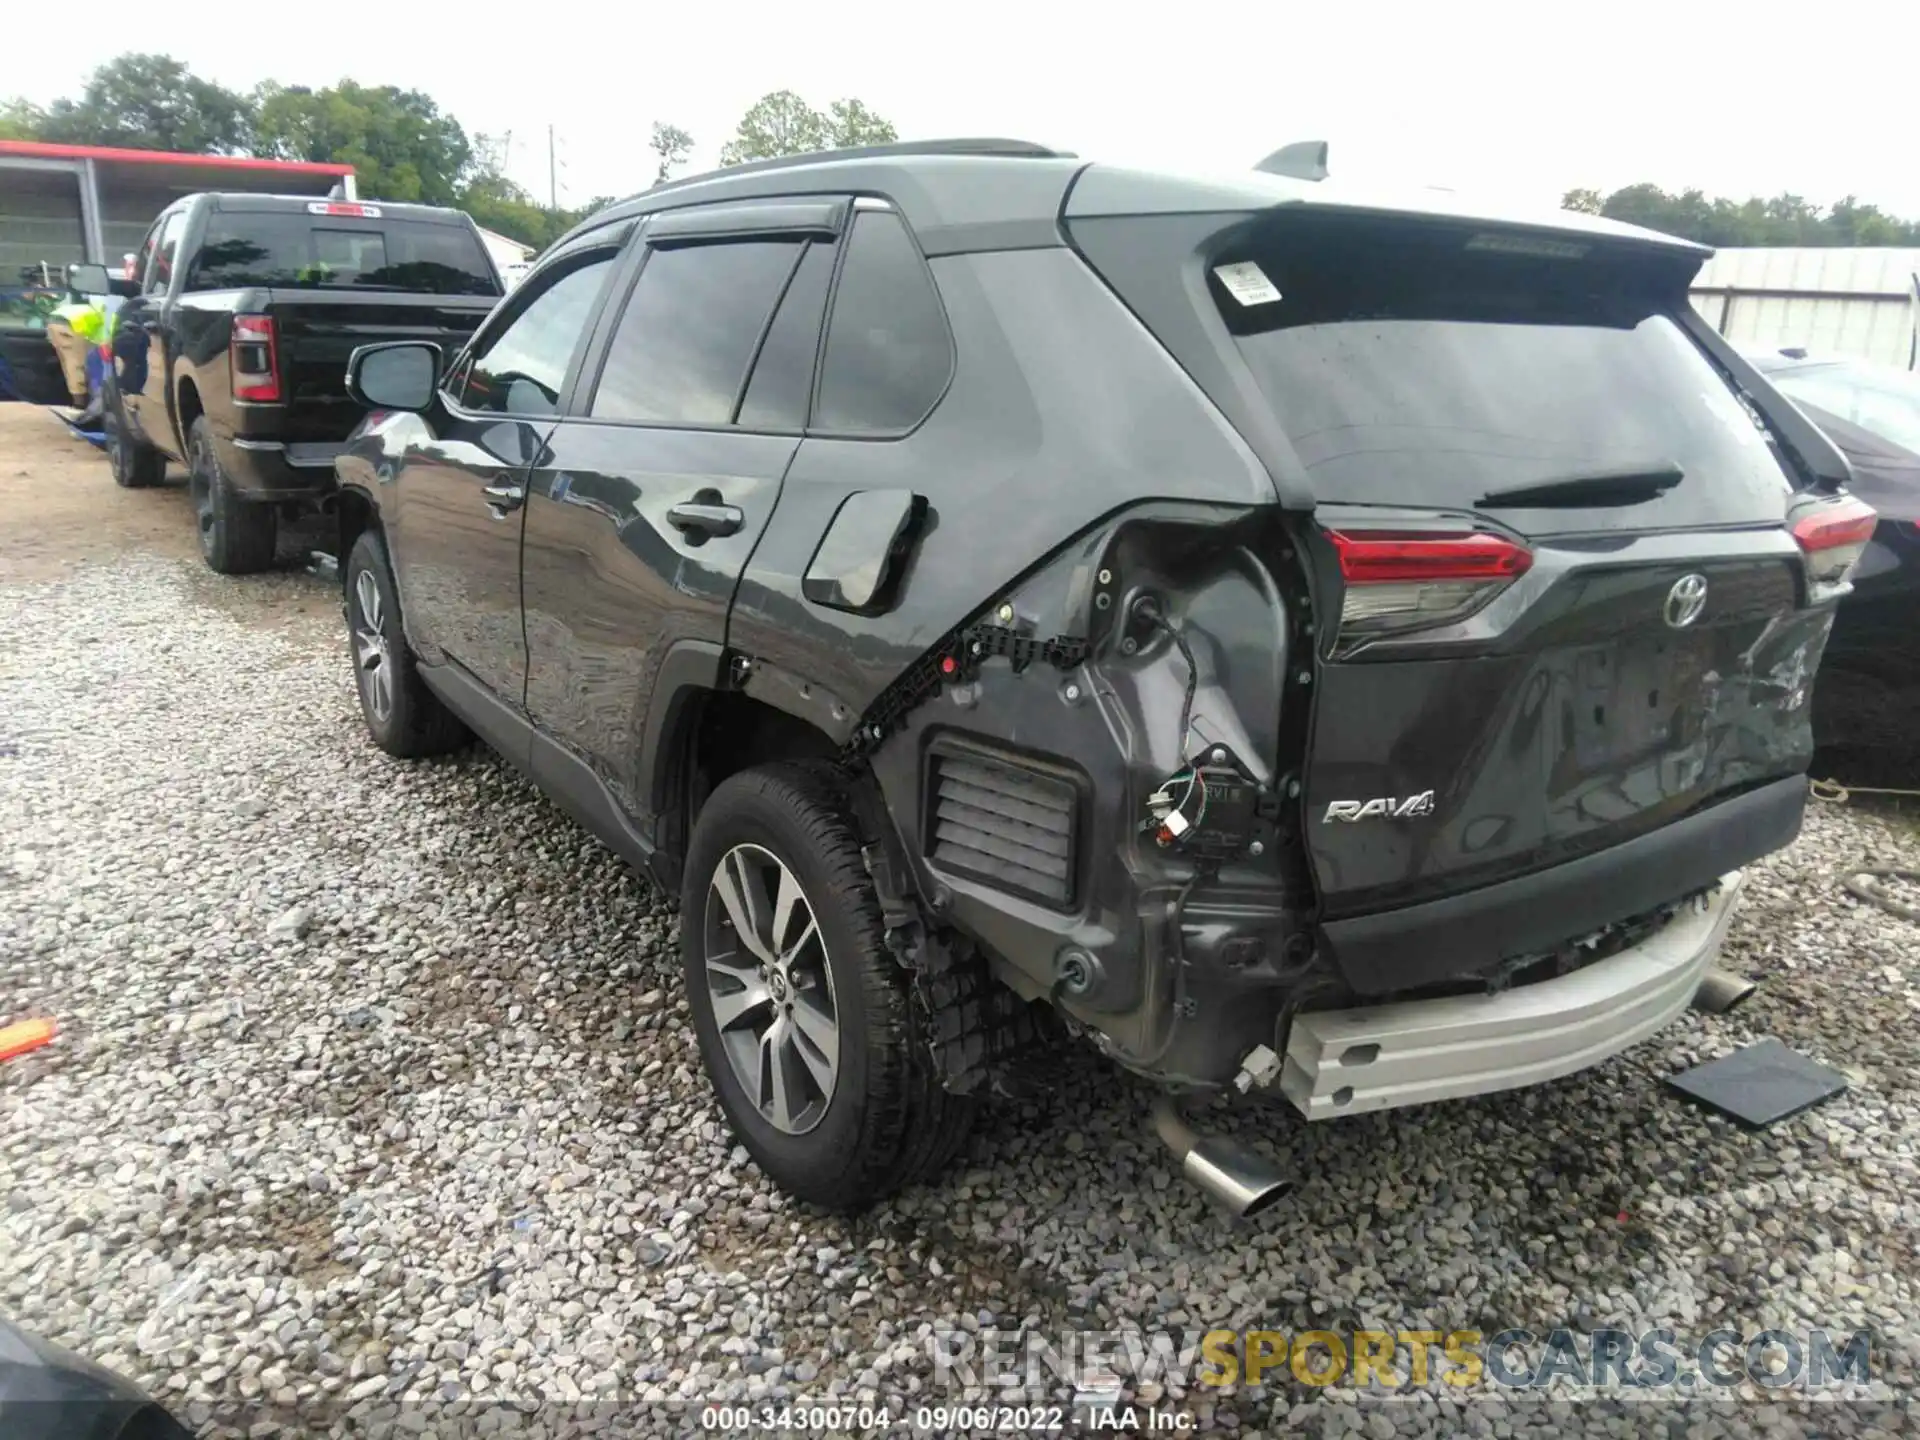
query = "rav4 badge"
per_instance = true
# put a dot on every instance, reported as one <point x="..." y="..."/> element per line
<point x="1385" y="807"/>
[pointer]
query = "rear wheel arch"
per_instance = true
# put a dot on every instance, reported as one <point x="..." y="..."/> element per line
<point x="698" y="735"/>
<point x="187" y="408"/>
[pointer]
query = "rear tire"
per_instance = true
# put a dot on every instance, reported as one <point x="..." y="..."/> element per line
<point x="136" y="464"/>
<point x="883" y="1122"/>
<point x="236" y="536"/>
<point x="403" y="716"/>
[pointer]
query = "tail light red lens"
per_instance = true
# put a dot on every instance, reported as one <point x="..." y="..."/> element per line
<point x="1409" y="580"/>
<point x="254" y="353"/>
<point x="1832" y="539"/>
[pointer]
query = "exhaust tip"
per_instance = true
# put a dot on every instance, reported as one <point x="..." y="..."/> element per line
<point x="1721" y="990"/>
<point x="1238" y="1179"/>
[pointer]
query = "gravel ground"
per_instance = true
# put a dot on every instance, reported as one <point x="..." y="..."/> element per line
<point x="375" y="1084"/>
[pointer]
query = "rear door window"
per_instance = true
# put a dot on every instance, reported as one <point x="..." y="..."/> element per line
<point x="291" y="250"/>
<point x="695" y="320"/>
<point x="889" y="354"/>
<point x="1434" y="365"/>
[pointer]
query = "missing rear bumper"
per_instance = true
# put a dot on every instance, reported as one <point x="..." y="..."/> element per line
<point x="1376" y="1057"/>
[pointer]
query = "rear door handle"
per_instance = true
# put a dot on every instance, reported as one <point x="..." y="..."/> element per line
<point x="502" y="498"/>
<point x="695" y="518"/>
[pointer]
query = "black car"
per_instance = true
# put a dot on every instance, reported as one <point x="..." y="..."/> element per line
<point x="1868" y="701"/>
<point x="1298" y="641"/>
<point x="232" y="357"/>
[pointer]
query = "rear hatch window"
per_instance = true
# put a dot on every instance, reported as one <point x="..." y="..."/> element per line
<point x="282" y="250"/>
<point x="1437" y="365"/>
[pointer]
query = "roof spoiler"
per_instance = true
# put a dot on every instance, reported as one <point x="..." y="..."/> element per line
<point x="1302" y="160"/>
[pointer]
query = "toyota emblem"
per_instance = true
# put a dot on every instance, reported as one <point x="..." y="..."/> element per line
<point x="1686" y="600"/>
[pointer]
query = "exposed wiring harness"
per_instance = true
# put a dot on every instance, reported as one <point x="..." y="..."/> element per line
<point x="1148" y="612"/>
<point x="1169" y="819"/>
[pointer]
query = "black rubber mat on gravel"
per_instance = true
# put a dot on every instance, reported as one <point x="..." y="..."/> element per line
<point x="1760" y="1084"/>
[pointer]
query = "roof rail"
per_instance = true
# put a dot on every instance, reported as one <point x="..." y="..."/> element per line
<point x="1302" y="160"/>
<point x="987" y="146"/>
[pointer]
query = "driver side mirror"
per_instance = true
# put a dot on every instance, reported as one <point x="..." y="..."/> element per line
<point x="400" y="375"/>
<point x="89" y="280"/>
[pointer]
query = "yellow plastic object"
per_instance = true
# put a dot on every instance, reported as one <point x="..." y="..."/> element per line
<point x="25" y="1035"/>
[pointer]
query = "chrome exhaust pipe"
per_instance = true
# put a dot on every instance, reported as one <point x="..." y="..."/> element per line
<point x="1721" y="990"/>
<point x="1237" y="1179"/>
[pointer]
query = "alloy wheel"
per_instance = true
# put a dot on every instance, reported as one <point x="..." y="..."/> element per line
<point x="771" y="989"/>
<point x="372" y="655"/>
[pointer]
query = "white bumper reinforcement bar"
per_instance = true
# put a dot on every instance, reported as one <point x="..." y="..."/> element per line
<point x="1375" y="1057"/>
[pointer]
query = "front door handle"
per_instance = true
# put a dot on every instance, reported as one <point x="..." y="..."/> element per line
<point x="502" y="498"/>
<point x="694" y="518"/>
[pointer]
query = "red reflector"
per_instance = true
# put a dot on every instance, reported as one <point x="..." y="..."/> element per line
<point x="949" y="665"/>
<point x="1381" y="556"/>
<point x="1851" y="522"/>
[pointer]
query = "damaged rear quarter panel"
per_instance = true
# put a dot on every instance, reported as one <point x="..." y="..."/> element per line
<point x="1065" y="423"/>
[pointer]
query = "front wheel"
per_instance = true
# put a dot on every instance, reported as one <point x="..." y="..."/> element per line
<point x="403" y="716"/>
<point x="804" y="1019"/>
<point x="136" y="465"/>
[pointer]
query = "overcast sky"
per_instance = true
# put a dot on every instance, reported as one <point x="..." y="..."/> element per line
<point x="1521" y="100"/>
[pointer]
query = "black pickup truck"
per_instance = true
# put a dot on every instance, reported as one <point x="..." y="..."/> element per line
<point x="232" y="358"/>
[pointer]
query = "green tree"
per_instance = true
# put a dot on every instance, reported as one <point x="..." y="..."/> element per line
<point x="851" y="123"/>
<point x="146" y="102"/>
<point x="504" y="207"/>
<point x="21" y="120"/>
<point x="1780" y="220"/>
<point x="400" y="144"/>
<point x="672" y="145"/>
<point x="497" y="204"/>
<point x="782" y="123"/>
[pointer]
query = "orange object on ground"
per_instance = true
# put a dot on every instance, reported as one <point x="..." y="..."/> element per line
<point x="27" y="1035"/>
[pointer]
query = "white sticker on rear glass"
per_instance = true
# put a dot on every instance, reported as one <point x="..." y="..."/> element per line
<point x="1247" y="283"/>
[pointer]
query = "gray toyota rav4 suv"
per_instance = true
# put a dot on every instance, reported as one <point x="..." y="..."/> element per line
<point x="1302" y="642"/>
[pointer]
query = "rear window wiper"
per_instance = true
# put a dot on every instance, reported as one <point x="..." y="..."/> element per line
<point x="1628" y="485"/>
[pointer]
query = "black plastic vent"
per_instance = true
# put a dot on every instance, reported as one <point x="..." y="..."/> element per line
<point x="1007" y="822"/>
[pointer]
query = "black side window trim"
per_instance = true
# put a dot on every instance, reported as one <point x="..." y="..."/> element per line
<point x="826" y="330"/>
<point x="620" y="294"/>
<point x="766" y="329"/>
<point x="616" y="239"/>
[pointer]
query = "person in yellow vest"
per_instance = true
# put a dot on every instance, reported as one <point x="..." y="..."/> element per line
<point x="65" y="334"/>
<point x="83" y="326"/>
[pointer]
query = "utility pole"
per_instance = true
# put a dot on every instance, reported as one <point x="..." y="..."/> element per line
<point x="553" y="175"/>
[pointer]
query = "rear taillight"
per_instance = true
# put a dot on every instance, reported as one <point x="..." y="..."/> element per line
<point x="1412" y="579"/>
<point x="1832" y="539"/>
<point x="254" y="353"/>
